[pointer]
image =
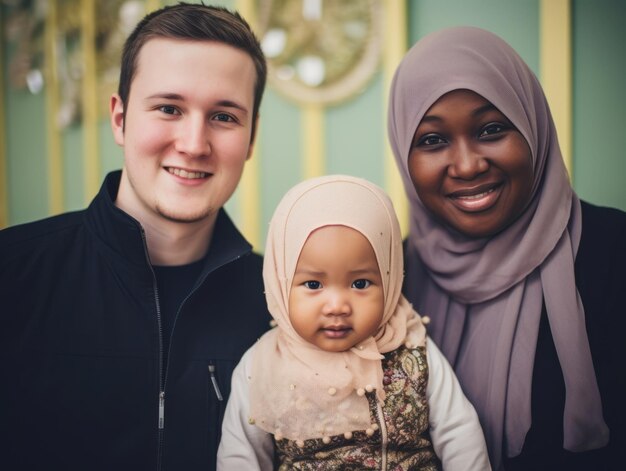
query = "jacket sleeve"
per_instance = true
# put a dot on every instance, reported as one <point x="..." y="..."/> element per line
<point x="243" y="447"/>
<point x="455" y="430"/>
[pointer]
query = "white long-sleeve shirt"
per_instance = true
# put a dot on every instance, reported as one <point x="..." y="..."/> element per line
<point x="454" y="428"/>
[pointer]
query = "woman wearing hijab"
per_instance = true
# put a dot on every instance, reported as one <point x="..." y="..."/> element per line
<point x="523" y="281"/>
<point x="348" y="378"/>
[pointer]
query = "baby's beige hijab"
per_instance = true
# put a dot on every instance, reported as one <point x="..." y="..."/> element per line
<point x="297" y="390"/>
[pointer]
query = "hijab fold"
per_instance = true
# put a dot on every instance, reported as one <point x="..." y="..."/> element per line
<point x="485" y="295"/>
<point x="297" y="390"/>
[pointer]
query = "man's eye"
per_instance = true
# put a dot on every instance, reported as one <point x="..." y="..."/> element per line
<point x="361" y="284"/>
<point x="312" y="284"/>
<point x="168" y="109"/>
<point x="226" y="118"/>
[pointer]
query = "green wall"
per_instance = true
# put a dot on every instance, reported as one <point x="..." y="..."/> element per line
<point x="355" y="131"/>
<point x="599" y="37"/>
<point x="515" y="21"/>
<point x="26" y="164"/>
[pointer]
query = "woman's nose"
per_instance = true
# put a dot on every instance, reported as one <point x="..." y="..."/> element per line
<point x="467" y="161"/>
<point x="337" y="304"/>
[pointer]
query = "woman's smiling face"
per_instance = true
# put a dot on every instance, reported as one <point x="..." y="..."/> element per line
<point x="470" y="166"/>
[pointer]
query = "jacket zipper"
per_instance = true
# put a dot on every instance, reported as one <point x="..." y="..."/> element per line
<point x="162" y="370"/>
<point x="216" y="387"/>
<point x="383" y="436"/>
<point x="161" y="411"/>
<point x="162" y="376"/>
<point x="191" y="293"/>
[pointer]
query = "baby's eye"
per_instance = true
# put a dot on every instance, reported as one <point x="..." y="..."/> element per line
<point x="361" y="284"/>
<point x="491" y="129"/>
<point x="312" y="284"/>
<point x="168" y="109"/>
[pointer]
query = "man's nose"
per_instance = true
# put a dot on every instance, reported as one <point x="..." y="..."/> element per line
<point x="194" y="137"/>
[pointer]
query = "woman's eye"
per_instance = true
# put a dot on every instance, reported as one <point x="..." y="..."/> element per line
<point x="223" y="117"/>
<point x="361" y="284"/>
<point x="490" y="129"/>
<point x="312" y="284"/>
<point x="168" y="109"/>
<point x="430" y="140"/>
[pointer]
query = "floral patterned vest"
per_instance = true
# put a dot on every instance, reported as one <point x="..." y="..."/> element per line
<point x="399" y="438"/>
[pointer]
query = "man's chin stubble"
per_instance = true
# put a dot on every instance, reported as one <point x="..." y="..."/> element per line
<point x="184" y="218"/>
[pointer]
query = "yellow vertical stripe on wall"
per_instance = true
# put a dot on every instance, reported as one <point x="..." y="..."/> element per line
<point x="249" y="188"/>
<point x="4" y="180"/>
<point x="53" y="134"/>
<point x="396" y="37"/>
<point x="250" y="197"/>
<point x="312" y="132"/>
<point x="556" y="68"/>
<point x="89" y="100"/>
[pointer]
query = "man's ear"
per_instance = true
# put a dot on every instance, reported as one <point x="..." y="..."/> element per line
<point x="116" y="110"/>
<point x="255" y="132"/>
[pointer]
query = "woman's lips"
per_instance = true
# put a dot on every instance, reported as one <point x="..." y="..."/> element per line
<point x="476" y="199"/>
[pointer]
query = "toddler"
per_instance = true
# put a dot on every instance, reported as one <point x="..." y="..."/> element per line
<point x="348" y="378"/>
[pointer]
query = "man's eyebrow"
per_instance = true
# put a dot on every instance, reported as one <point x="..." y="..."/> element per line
<point x="232" y="104"/>
<point x="178" y="97"/>
<point x="166" y="96"/>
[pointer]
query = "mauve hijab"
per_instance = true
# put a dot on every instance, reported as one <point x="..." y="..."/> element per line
<point x="485" y="295"/>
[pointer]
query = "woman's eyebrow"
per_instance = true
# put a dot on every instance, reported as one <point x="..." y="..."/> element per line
<point x="429" y="118"/>
<point x="484" y="109"/>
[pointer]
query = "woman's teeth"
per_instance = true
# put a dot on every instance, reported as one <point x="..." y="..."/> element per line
<point x="476" y="197"/>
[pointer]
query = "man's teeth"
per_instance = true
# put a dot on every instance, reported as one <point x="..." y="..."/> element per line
<point x="476" y="197"/>
<point x="179" y="172"/>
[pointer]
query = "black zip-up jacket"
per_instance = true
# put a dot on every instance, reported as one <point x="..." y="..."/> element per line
<point x="82" y="384"/>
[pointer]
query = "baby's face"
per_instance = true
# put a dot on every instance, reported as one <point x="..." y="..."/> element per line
<point x="336" y="299"/>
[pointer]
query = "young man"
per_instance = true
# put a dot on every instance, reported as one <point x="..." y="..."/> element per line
<point x="122" y="323"/>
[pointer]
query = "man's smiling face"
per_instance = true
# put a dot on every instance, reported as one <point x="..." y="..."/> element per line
<point x="187" y="130"/>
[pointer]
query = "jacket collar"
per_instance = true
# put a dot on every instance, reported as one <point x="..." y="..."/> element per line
<point x="122" y="236"/>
